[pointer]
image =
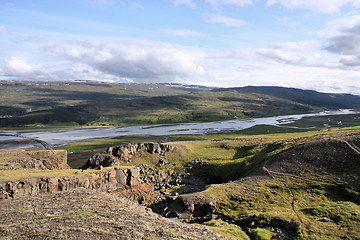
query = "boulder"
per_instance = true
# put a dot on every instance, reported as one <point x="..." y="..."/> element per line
<point x="188" y="207"/>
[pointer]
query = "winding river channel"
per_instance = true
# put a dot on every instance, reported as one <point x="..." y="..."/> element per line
<point x="63" y="136"/>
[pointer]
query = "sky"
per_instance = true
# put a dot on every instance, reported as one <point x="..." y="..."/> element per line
<point x="223" y="43"/>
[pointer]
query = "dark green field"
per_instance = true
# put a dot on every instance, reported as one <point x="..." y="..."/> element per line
<point x="26" y="105"/>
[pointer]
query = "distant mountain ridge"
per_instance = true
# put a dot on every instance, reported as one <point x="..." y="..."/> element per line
<point x="310" y="97"/>
<point x="84" y="104"/>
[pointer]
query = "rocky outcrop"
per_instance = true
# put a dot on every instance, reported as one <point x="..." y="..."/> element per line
<point x="120" y="155"/>
<point x="160" y="179"/>
<point x="115" y="180"/>
<point x="43" y="159"/>
<point x="187" y="207"/>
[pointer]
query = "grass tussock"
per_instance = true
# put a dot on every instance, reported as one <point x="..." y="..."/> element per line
<point x="229" y="230"/>
<point x="261" y="234"/>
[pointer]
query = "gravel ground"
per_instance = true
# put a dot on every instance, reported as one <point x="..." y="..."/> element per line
<point x="85" y="214"/>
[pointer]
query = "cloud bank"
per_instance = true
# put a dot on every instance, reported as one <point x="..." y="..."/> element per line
<point x="328" y="62"/>
<point x="317" y="6"/>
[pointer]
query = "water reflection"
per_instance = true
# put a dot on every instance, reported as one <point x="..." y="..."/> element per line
<point x="64" y="136"/>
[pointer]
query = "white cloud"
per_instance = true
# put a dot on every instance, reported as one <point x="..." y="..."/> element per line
<point x="189" y="3"/>
<point x="79" y="71"/>
<point x="3" y="29"/>
<point x="297" y="53"/>
<point x="287" y="22"/>
<point x="226" y="21"/>
<point x="98" y="1"/>
<point x="239" y="3"/>
<point x="346" y="45"/>
<point x="281" y="64"/>
<point x="271" y="73"/>
<point x="342" y="37"/>
<point x="135" y="5"/>
<point x="351" y="62"/>
<point x="186" y="33"/>
<point x="214" y="3"/>
<point x="302" y="64"/>
<point x="339" y="26"/>
<point x="159" y="62"/>
<point x="328" y="6"/>
<point x="17" y="67"/>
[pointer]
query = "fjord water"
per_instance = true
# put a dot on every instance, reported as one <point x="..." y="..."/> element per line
<point x="64" y="136"/>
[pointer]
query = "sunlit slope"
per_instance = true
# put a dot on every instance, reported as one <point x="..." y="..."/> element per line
<point x="199" y="106"/>
<point x="304" y="183"/>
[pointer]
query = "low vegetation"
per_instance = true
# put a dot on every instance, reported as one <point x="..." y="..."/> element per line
<point x="28" y="105"/>
<point x="299" y="179"/>
<point x="300" y="203"/>
<point x="15" y="175"/>
<point x="307" y="201"/>
<point x="229" y="230"/>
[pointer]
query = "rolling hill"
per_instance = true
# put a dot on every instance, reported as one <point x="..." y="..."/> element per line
<point x="88" y="104"/>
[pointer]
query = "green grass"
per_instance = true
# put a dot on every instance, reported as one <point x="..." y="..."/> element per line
<point x="295" y="204"/>
<point x="269" y="129"/>
<point x="197" y="145"/>
<point x="335" y="121"/>
<point x="261" y="234"/>
<point x="229" y="230"/>
<point x="62" y="105"/>
<point x="225" y="159"/>
<point x="41" y="105"/>
<point x="270" y="203"/>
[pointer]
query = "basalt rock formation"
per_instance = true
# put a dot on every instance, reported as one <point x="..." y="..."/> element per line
<point x="161" y="179"/>
<point x="126" y="181"/>
<point x="119" y="155"/>
<point x="43" y="159"/>
<point x="187" y="207"/>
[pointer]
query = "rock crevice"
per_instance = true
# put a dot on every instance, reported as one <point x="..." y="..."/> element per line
<point x="120" y="155"/>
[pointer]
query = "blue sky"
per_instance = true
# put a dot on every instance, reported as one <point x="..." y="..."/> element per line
<point x="224" y="43"/>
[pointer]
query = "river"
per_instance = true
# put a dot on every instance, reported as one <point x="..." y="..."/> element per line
<point x="63" y="136"/>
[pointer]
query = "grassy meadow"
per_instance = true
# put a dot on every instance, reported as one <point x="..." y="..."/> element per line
<point x="297" y="203"/>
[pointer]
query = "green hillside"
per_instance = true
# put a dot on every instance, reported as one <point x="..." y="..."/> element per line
<point x="89" y="104"/>
<point x="309" y="97"/>
<point x="302" y="184"/>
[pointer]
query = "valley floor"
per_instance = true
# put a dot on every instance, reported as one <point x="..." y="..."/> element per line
<point x="298" y="185"/>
